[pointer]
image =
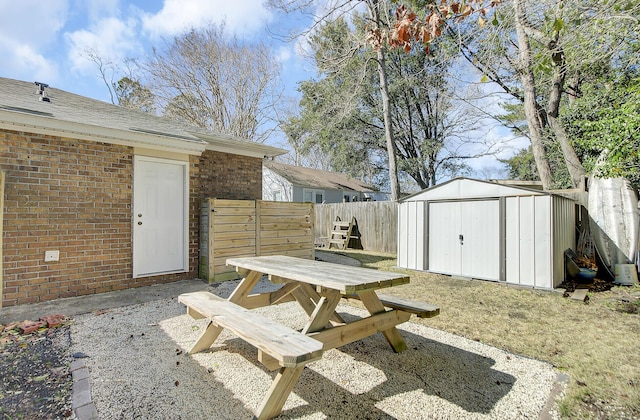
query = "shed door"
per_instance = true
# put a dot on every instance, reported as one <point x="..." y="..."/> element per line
<point x="160" y="234"/>
<point x="464" y="238"/>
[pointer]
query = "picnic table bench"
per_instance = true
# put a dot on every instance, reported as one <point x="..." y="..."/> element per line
<point x="289" y="347"/>
<point x="318" y="287"/>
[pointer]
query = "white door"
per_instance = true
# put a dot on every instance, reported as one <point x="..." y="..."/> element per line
<point x="444" y="244"/>
<point x="464" y="238"/>
<point x="160" y="216"/>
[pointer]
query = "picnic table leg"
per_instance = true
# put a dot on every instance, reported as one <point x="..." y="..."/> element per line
<point x="374" y="306"/>
<point x="309" y="298"/>
<point x="323" y="311"/>
<point x="206" y="339"/>
<point x="278" y="393"/>
<point x="245" y="287"/>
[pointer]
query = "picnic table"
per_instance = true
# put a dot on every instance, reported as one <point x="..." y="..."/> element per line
<point x="318" y="287"/>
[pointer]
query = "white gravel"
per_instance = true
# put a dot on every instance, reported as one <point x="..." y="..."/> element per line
<point x="139" y="369"/>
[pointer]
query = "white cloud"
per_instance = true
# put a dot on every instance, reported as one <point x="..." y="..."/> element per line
<point x="32" y="22"/>
<point x="26" y="63"/>
<point x="99" y="9"/>
<point x="111" y="39"/>
<point x="283" y="54"/>
<point x="23" y="46"/>
<point x="242" y="17"/>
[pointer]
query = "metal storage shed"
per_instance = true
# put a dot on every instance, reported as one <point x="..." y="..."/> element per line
<point x="486" y="230"/>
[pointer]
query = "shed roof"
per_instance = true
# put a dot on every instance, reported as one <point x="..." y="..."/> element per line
<point x="314" y="178"/>
<point x="467" y="188"/>
<point x="71" y="115"/>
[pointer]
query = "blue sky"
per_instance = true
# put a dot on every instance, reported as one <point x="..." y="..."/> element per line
<point x="47" y="40"/>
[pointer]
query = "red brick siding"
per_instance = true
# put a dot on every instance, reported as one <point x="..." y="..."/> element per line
<point x="233" y="177"/>
<point x="72" y="196"/>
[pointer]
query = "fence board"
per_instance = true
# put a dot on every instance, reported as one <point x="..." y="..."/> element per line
<point x="377" y="222"/>
<point x="244" y="228"/>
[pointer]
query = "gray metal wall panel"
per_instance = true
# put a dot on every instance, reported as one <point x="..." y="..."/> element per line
<point x="481" y="243"/>
<point x="444" y="246"/>
<point x="564" y="234"/>
<point x="526" y="228"/>
<point x="512" y="240"/>
<point x="411" y="235"/>
<point x="542" y="242"/>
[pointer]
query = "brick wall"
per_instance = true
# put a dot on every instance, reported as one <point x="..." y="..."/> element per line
<point x="75" y="197"/>
<point x="233" y="177"/>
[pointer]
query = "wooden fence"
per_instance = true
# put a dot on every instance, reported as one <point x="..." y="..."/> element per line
<point x="247" y="228"/>
<point x="377" y="222"/>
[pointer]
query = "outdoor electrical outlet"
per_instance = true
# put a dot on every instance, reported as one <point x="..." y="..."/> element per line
<point x="51" y="256"/>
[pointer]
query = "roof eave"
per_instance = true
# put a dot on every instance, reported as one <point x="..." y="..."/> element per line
<point x="17" y="121"/>
<point x="227" y="144"/>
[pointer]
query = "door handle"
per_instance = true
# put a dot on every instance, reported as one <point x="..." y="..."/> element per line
<point x="461" y="238"/>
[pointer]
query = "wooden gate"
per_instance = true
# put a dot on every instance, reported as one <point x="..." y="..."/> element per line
<point x="247" y="228"/>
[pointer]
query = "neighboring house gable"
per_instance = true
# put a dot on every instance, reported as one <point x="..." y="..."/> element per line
<point x="115" y="192"/>
<point x="299" y="184"/>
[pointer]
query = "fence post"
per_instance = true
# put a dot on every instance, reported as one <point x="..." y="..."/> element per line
<point x="258" y="227"/>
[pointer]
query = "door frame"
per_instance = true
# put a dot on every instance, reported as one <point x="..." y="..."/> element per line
<point x="185" y="223"/>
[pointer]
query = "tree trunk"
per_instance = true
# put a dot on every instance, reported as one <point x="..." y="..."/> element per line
<point x="374" y="13"/>
<point x="388" y="131"/>
<point x="576" y="170"/>
<point x="574" y="166"/>
<point x="525" y="72"/>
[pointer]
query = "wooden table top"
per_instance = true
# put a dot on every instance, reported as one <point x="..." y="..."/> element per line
<point x="343" y="278"/>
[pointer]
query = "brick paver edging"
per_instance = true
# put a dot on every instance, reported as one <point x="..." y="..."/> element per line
<point x="81" y="403"/>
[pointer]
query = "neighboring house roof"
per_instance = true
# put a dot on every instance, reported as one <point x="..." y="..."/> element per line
<point x="71" y="115"/>
<point x="314" y="178"/>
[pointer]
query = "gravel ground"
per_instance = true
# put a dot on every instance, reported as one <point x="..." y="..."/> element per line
<point x="139" y="369"/>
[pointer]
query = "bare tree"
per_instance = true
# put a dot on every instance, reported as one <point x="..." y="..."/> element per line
<point x="107" y="70"/>
<point x="209" y="79"/>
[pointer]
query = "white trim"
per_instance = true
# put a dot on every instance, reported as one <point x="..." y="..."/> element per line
<point x="17" y="121"/>
<point x="138" y="151"/>
<point x="236" y="146"/>
<point x="185" y="261"/>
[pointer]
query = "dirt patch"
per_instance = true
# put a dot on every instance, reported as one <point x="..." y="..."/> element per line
<point x="34" y="367"/>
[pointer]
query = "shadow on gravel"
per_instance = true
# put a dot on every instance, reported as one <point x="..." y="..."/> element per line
<point x="426" y="369"/>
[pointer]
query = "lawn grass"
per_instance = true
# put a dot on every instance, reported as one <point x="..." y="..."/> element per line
<point x="596" y="343"/>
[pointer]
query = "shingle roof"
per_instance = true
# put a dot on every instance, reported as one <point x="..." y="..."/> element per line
<point x="69" y="109"/>
<point x="314" y="178"/>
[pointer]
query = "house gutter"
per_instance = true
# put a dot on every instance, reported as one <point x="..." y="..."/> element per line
<point x="228" y="144"/>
